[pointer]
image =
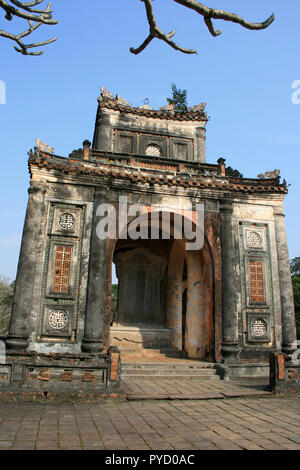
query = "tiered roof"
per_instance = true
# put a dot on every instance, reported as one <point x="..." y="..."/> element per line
<point x="151" y="171"/>
<point x="116" y="103"/>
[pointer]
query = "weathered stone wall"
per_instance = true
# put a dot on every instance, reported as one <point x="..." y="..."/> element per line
<point x="259" y="300"/>
<point x="56" y="374"/>
<point x="251" y="218"/>
<point x="132" y="134"/>
<point x="76" y="201"/>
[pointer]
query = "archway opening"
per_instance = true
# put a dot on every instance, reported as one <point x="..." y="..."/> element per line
<point x="165" y="295"/>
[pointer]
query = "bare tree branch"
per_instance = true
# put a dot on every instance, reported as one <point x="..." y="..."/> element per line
<point x="35" y="18"/>
<point x="207" y="13"/>
<point x="156" y="32"/>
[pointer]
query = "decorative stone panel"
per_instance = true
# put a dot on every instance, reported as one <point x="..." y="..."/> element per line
<point x="254" y="238"/>
<point x="258" y="327"/>
<point x="125" y="142"/>
<point x="58" y="320"/>
<point x="181" y="149"/>
<point x="66" y="222"/>
<point x="153" y="150"/>
<point x="153" y="140"/>
<point x="61" y="274"/>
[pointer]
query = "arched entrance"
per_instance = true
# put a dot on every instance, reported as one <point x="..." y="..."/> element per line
<point x="165" y="297"/>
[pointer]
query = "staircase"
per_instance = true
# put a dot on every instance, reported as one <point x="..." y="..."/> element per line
<point x="147" y="364"/>
<point x="148" y="370"/>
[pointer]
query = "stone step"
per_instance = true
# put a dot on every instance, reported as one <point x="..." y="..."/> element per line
<point x="167" y="366"/>
<point x="168" y="372"/>
<point x="142" y="376"/>
<point x="183" y="368"/>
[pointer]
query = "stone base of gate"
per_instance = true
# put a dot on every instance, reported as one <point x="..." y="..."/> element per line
<point x="34" y="375"/>
<point x="143" y="337"/>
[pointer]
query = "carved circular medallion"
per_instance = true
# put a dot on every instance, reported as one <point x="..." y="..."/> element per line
<point x="153" y="151"/>
<point x="254" y="239"/>
<point x="58" y="319"/>
<point x="66" y="221"/>
<point x="258" y="328"/>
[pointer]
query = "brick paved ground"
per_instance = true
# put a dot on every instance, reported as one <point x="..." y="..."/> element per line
<point x="237" y="423"/>
<point x="191" y="385"/>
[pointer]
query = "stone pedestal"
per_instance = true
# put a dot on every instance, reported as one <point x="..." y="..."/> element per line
<point x="140" y="337"/>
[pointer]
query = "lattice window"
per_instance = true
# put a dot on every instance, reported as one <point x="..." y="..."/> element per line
<point x="256" y="282"/>
<point x="157" y="166"/>
<point x="62" y="269"/>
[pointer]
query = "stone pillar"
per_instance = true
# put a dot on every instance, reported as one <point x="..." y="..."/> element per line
<point x="195" y="310"/>
<point x="286" y="290"/>
<point x="21" y="309"/>
<point x="94" y="318"/>
<point x="222" y="167"/>
<point x="201" y="144"/>
<point x="174" y="311"/>
<point x="103" y="134"/>
<point x="230" y="345"/>
<point x="86" y="149"/>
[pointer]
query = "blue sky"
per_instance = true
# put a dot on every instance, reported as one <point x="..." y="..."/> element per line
<point x="245" y="77"/>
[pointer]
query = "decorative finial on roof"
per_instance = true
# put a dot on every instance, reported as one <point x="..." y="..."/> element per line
<point x="43" y="146"/>
<point x="106" y="94"/>
<point x="198" y="107"/>
<point x="121" y="100"/>
<point x="169" y="107"/>
<point x="269" y="174"/>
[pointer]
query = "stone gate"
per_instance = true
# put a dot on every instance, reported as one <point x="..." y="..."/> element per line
<point x="228" y="300"/>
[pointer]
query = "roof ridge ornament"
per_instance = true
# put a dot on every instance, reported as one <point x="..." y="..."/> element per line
<point x="43" y="146"/>
<point x="198" y="107"/>
<point x="106" y="94"/>
<point x="168" y="107"/>
<point x="122" y="101"/>
<point x="168" y="111"/>
<point x="272" y="174"/>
